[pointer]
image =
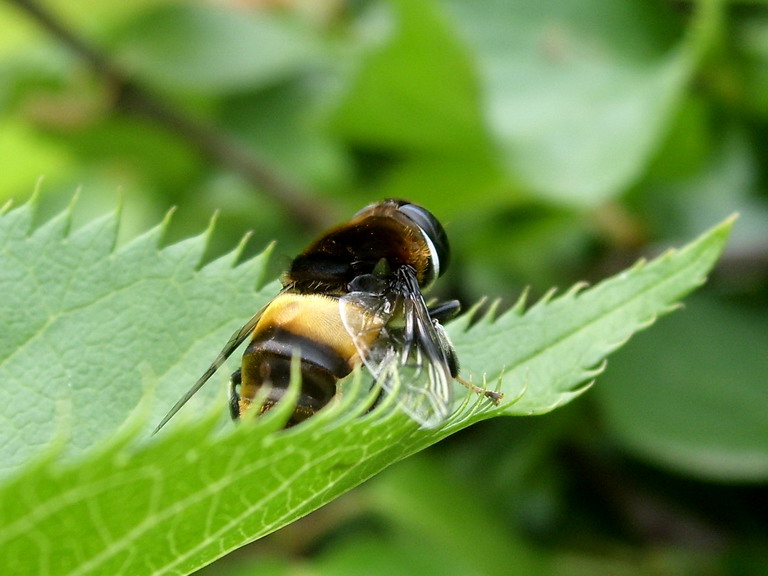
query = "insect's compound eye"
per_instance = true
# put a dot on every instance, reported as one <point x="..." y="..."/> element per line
<point x="433" y="233"/>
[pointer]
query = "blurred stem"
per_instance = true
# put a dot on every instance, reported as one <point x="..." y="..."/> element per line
<point x="214" y="144"/>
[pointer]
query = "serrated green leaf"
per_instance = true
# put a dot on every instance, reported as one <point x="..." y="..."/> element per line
<point x="580" y="328"/>
<point x="169" y="505"/>
<point x="81" y="320"/>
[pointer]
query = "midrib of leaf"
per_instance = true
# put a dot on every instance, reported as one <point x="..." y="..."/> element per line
<point x="188" y="497"/>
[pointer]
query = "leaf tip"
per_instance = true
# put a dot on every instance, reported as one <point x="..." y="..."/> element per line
<point x="726" y="225"/>
<point x="165" y="224"/>
<point x="240" y="248"/>
<point x="68" y="214"/>
<point x="211" y="225"/>
<point x="519" y="307"/>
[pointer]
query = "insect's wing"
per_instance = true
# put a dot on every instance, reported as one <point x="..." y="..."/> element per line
<point x="365" y="316"/>
<point x="234" y="341"/>
<point x="404" y="349"/>
<point x="424" y="370"/>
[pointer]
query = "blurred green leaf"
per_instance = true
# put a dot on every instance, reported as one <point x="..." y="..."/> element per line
<point x="751" y="38"/>
<point x="374" y="555"/>
<point x="204" y="49"/>
<point x="431" y="510"/>
<point x="578" y="94"/>
<point x="284" y="124"/>
<point x="416" y="96"/>
<point x="417" y="91"/>
<point x="676" y="206"/>
<point x="693" y="397"/>
<point x="33" y="156"/>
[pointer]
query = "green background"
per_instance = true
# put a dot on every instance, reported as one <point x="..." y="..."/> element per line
<point x="557" y="141"/>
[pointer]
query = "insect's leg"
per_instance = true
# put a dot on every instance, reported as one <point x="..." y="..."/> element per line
<point x="234" y="394"/>
<point x="440" y="313"/>
<point x="493" y="396"/>
<point x="444" y="310"/>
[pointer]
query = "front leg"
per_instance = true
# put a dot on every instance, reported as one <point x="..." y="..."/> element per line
<point x="234" y="394"/>
<point x="444" y="310"/>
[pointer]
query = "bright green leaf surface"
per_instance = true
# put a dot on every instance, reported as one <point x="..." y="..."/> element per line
<point x="86" y="321"/>
<point x="82" y="321"/>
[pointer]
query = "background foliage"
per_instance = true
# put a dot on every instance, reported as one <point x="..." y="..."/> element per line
<point x="558" y="141"/>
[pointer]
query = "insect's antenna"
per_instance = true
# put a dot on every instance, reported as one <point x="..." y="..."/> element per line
<point x="191" y="392"/>
<point x="234" y="341"/>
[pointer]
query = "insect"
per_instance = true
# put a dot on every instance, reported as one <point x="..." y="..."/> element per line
<point x="352" y="297"/>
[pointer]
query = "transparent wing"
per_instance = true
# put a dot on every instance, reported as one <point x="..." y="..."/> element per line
<point x="234" y="341"/>
<point x="402" y="347"/>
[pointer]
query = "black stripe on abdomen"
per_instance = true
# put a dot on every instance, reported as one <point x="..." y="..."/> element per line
<point x="268" y="359"/>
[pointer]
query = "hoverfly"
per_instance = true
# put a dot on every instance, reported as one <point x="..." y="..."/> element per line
<point x="352" y="297"/>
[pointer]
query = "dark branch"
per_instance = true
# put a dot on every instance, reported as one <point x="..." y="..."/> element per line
<point x="219" y="147"/>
